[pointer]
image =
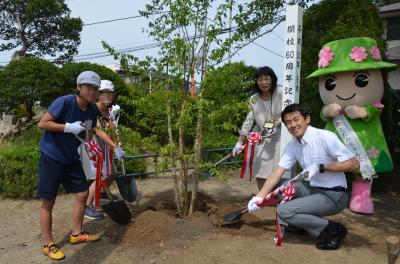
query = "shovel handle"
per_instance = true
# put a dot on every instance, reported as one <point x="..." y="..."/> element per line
<point x="123" y="167"/>
<point x="223" y="159"/>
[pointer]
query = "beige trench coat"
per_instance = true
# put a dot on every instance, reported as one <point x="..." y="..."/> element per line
<point x="267" y="152"/>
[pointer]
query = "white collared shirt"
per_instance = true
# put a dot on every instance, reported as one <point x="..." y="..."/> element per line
<point x="318" y="146"/>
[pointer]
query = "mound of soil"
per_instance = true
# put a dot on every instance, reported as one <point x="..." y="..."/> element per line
<point x="161" y="222"/>
<point x="149" y="228"/>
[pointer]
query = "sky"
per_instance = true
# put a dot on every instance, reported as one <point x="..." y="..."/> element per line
<point x="129" y="33"/>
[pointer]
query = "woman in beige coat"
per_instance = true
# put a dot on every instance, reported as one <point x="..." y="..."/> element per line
<point x="265" y="107"/>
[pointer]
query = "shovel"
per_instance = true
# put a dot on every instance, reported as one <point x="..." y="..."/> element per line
<point x="117" y="210"/>
<point x="230" y="155"/>
<point x="127" y="185"/>
<point x="235" y="217"/>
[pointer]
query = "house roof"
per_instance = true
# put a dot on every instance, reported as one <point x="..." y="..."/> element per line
<point x="388" y="10"/>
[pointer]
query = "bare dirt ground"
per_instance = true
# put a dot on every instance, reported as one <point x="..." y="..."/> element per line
<point x="157" y="236"/>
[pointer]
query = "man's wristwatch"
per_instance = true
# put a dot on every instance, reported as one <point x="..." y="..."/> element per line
<point x="321" y="168"/>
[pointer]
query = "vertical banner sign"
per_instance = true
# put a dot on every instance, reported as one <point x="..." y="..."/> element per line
<point x="291" y="63"/>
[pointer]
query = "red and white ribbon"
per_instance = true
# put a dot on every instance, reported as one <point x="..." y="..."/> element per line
<point x="94" y="148"/>
<point x="288" y="193"/>
<point x="247" y="165"/>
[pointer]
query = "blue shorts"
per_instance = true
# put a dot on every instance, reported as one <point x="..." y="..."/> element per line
<point x="52" y="173"/>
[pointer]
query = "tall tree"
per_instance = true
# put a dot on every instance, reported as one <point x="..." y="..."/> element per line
<point x="29" y="82"/>
<point x="186" y="37"/>
<point x="253" y="19"/>
<point x="39" y="27"/>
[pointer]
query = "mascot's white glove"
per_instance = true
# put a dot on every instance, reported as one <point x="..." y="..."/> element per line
<point x="311" y="171"/>
<point x="114" y="111"/>
<point x="355" y="112"/>
<point x="252" y="206"/>
<point x="237" y="149"/>
<point x="74" y="128"/>
<point x="331" y="110"/>
<point x="119" y="153"/>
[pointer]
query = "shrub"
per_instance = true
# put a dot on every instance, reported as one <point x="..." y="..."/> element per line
<point x="19" y="165"/>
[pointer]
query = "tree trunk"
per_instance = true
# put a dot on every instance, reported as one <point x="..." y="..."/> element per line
<point x="10" y="125"/>
<point x="183" y="167"/>
<point x="29" y="110"/>
<point x="199" y="128"/>
<point x="174" y="175"/>
<point x="197" y="157"/>
<point x="19" y="54"/>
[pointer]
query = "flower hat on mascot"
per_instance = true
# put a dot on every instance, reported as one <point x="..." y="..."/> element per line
<point x="351" y="87"/>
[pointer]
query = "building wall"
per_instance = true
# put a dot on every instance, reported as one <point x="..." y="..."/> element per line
<point x="394" y="78"/>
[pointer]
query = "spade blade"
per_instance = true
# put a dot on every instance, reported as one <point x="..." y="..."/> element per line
<point x="117" y="211"/>
<point x="127" y="188"/>
<point x="234" y="217"/>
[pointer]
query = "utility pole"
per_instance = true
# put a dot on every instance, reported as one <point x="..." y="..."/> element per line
<point x="204" y="59"/>
<point x="230" y="29"/>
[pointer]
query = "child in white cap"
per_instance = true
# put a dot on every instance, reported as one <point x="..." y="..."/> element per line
<point x="107" y="143"/>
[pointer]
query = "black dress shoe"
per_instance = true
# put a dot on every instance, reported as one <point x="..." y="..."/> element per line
<point x="333" y="233"/>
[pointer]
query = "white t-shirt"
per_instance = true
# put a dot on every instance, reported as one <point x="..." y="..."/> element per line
<point x="318" y="146"/>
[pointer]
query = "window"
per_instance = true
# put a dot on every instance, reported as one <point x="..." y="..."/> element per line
<point x="393" y="28"/>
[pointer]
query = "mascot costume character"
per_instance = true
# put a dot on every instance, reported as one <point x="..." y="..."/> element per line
<point x="351" y="87"/>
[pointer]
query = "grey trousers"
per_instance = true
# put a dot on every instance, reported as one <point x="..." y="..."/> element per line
<point x="308" y="206"/>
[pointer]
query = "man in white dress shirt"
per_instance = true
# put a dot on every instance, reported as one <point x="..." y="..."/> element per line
<point x="324" y="159"/>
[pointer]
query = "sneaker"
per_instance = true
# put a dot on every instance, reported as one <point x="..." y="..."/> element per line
<point x="92" y="213"/>
<point x="83" y="237"/>
<point x="53" y="251"/>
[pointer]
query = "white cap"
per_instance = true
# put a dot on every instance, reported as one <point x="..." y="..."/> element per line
<point x="106" y="85"/>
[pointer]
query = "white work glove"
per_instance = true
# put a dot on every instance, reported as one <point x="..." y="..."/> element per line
<point x="119" y="153"/>
<point x="114" y="111"/>
<point x="310" y="171"/>
<point x="74" y="128"/>
<point x="252" y="206"/>
<point x="237" y="149"/>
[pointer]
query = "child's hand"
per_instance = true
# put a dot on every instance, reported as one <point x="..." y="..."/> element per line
<point x="74" y="128"/>
<point x="119" y="153"/>
<point x="114" y="112"/>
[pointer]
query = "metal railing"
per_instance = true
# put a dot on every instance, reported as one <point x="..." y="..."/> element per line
<point x="206" y="155"/>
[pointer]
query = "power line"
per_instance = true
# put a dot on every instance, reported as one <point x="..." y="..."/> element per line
<point x="273" y="52"/>
<point x="119" y="19"/>
<point x="267" y="49"/>
<point x="97" y="55"/>
<point x="111" y="20"/>
<point x="276" y="35"/>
